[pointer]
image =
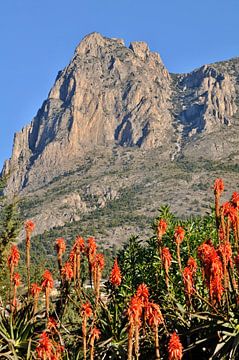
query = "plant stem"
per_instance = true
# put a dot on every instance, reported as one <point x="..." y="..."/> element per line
<point x="84" y="323"/>
<point x="157" y="353"/>
<point x="130" y="341"/>
<point x="28" y="244"/>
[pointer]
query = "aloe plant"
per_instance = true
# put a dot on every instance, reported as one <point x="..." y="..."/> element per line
<point x="18" y="332"/>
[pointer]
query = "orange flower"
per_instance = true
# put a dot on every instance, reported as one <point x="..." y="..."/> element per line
<point x="91" y="249"/>
<point x="225" y="250"/>
<point x="218" y="187"/>
<point x="16" y="279"/>
<point x="35" y="289"/>
<point x="86" y="310"/>
<point x="166" y="258"/>
<point x="75" y="257"/>
<point x="29" y="226"/>
<point x="188" y="281"/>
<point x="175" y="348"/>
<point x="13" y="257"/>
<point x="213" y="269"/>
<point x="44" y="348"/>
<point x="47" y="280"/>
<point x="67" y="271"/>
<point x="79" y="244"/>
<point x="115" y="276"/>
<point x="100" y="261"/>
<point x="179" y="234"/>
<point x="60" y="246"/>
<point x="192" y="264"/>
<point x="162" y="227"/>
<point x="143" y="294"/>
<point x="235" y="199"/>
<point x="153" y="314"/>
<point x="95" y="333"/>
<point x="135" y="309"/>
<point x="229" y="210"/>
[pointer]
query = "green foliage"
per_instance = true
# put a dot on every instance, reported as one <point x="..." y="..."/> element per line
<point x="10" y="224"/>
<point x="19" y="332"/>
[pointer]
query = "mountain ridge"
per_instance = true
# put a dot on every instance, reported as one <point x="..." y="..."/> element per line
<point x="121" y="106"/>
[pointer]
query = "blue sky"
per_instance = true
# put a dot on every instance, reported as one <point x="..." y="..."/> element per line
<point x="38" y="38"/>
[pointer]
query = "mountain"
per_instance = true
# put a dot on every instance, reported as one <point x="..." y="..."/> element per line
<point x="119" y="135"/>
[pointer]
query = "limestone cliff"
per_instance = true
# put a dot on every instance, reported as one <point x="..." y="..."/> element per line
<point x="108" y="94"/>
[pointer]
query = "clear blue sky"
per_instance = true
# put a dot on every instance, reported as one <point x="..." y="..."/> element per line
<point x="38" y="38"/>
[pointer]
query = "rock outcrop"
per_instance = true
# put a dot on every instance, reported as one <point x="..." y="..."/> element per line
<point x="208" y="100"/>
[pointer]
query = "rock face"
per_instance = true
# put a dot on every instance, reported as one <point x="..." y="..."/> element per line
<point x="208" y="100"/>
<point x="112" y="98"/>
<point x="109" y="94"/>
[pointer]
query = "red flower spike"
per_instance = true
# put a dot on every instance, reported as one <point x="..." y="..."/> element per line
<point x="153" y="314"/>
<point x="235" y="199"/>
<point x="230" y="211"/>
<point x="100" y="261"/>
<point x="179" y="234"/>
<point x="175" y="348"/>
<point x="162" y="227"/>
<point x="60" y="246"/>
<point x="225" y="250"/>
<point x="115" y="276"/>
<point x="95" y="333"/>
<point x="29" y="226"/>
<point x="16" y="279"/>
<point x="86" y="310"/>
<point x="67" y="271"/>
<point x="44" y="348"/>
<point x="213" y="269"/>
<point x="91" y="249"/>
<point x="192" y="264"/>
<point x="35" y="289"/>
<point x="166" y="257"/>
<point x="135" y="309"/>
<point x="188" y="280"/>
<point x="143" y="294"/>
<point x="13" y="257"/>
<point x="218" y="187"/>
<point x="79" y="245"/>
<point x="47" y="280"/>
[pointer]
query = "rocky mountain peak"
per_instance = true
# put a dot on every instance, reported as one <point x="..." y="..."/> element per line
<point x="111" y="96"/>
<point x="92" y="44"/>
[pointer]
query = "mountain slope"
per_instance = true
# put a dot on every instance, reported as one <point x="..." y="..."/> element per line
<point x="118" y="136"/>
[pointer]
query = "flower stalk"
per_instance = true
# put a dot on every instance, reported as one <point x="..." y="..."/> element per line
<point x="86" y="312"/>
<point x="29" y="227"/>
